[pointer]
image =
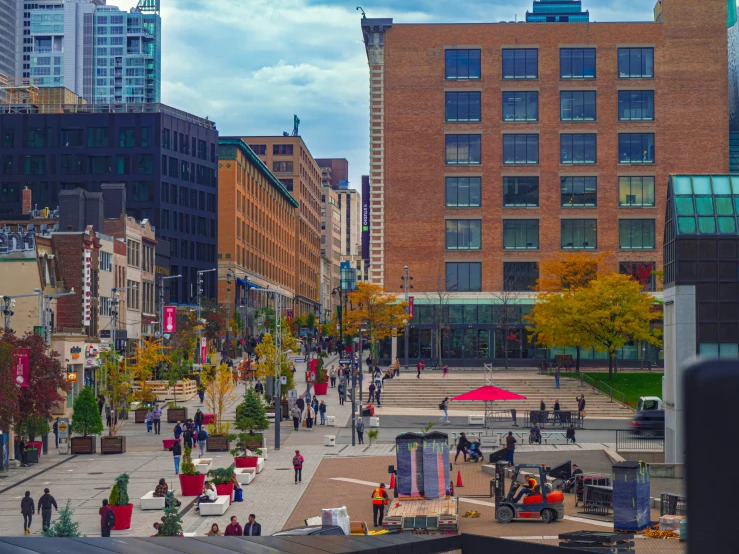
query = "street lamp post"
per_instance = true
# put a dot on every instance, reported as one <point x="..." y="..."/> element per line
<point x="406" y="285"/>
<point x="161" y="307"/>
<point x="198" y="357"/>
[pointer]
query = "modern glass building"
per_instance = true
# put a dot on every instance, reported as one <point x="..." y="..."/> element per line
<point x="557" y="11"/>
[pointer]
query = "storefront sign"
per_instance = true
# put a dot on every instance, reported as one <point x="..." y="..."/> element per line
<point x="75" y="352"/>
<point x="72" y="376"/>
<point x="20" y="365"/>
<point x="92" y="351"/>
<point x="86" y="287"/>
<point x="170" y="319"/>
<point x="63" y="428"/>
<point x="411" y="302"/>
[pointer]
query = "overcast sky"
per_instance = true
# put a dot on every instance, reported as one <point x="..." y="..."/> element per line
<point x="251" y="64"/>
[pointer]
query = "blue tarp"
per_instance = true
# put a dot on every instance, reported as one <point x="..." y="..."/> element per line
<point x="631" y="502"/>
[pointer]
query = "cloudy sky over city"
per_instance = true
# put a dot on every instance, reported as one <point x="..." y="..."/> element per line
<point x="251" y="64"/>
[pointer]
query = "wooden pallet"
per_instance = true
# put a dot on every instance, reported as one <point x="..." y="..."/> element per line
<point x="425" y="507"/>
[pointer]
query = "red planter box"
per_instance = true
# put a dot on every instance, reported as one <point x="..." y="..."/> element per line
<point x="122" y="517"/>
<point x="226" y="489"/>
<point x="169" y="443"/>
<point x="209" y="418"/>
<point x="191" y="485"/>
<point x="38" y="445"/>
<point x="320" y="389"/>
<point x="242" y="461"/>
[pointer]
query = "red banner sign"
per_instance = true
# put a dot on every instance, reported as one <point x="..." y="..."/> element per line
<point x="410" y="306"/>
<point x="170" y="319"/>
<point x="203" y="350"/>
<point x="20" y="366"/>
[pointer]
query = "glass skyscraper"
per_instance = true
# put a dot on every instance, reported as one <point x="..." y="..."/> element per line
<point x="557" y="11"/>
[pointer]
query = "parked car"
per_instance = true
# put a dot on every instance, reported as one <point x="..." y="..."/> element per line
<point x="310" y="530"/>
<point x="649" y="424"/>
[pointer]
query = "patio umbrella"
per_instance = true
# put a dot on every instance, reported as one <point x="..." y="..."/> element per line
<point x="489" y="394"/>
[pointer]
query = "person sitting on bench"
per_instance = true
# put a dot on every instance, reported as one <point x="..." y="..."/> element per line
<point x="570" y="433"/>
<point x="526" y="489"/>
<point x="209" y="494"/>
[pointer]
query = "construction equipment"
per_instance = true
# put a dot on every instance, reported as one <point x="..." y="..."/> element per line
<point x="547" y="506"/>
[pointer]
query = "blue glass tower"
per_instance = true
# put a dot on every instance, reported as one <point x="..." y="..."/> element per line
<point x="557" y="11"/>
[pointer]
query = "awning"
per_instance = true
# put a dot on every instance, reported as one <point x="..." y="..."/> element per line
<point x="489" y="393"/>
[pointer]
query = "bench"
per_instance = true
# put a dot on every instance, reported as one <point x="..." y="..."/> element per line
<point x="203" y="464"/>
<point x="476" y="419"/>
<point x="554" y="435"/>
<point x="151" y="502"/>
<point x="245" y="475"/>
<point x="217" y="508"/>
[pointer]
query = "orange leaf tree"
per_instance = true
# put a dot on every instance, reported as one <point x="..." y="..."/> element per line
<point x="148" y="356"/>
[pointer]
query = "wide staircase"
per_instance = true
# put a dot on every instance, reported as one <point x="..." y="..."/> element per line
<point x="427" y="392"/>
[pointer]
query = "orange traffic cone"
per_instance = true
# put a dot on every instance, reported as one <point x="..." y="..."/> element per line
<point x="392" y="480"/>
<point x="459" y="479"/>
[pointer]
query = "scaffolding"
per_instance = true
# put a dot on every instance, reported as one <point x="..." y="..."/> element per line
<point x="18" y="91"/>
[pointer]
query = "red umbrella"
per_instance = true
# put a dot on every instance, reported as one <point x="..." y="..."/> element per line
<point x="489" y="393"/>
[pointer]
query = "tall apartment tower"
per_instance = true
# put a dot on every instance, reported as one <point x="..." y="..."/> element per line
<point x="557" y="11"/>
<point x="8" y="17"/>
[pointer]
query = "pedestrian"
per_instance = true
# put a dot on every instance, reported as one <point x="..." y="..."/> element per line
<point x="215" y="531"/>
<point x="556" y="411"/>
<point x="101" y="403"/>
<point x="176" y="455"/>
<point x="360" y="430"/>
<point x="296" y="415"/>
<point x="542" y="405"/>
<point x="570" y="434"/>
<point x="379" y="501"/>
<point x="462" y="444"/>
<point x="202" y="438"/>
<point x="234" y="529"/>
<point x="372" y="388"/>
<point x="259" y="388"/>
<point x="315" y="404"/>
<point x="419" y="367"/>
<point x="44" y="506"/>
<point x="187" y="435"/>
<point x="298" y="466"/>
<point x="177" y="430"/>
<point x="445" y="406"/>
<point x="510" y="446"/>
<point x="56" y="433"/>
<point x="27" y="510"/>
<point x="149" y="419"/>
<point x="378" y="390"/>
<point x="107" y="416"/>
<point x="581" y="406"/>
<point x="198" y="419"/>
<point x="342" y="393"/>
<point x="156" y="417"/>
<point x="556" y="377"/>
<point x="322" y="412"/>
<point x="310" y="415"/>
<point x="201" y="393"/>
<point x="332" y="376"/>
<point x="23" y="451"/>
<point x="106" y="521"/>
<point x="445" y="371"/>
<point x="396" y="368"/>
<point x="253" y="529"/>
<point x="300" y="403"/>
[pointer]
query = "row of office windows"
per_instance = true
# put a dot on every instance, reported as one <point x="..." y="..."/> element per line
<point x="574" y="63"/>
<point x="575" y="234"/>
<point x="191" y="146"/>
<point x="188" y="198"/>
<point x="277" y="149"/>
<point x="78" y="164"/>
<point x="523" y="192"/>
<point x="575" y="148"/>
<point x="523" y="105"/>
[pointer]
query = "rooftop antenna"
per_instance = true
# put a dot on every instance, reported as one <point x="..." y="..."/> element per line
<point x="296" y="123"/>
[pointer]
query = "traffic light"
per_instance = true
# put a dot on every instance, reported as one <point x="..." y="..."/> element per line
<point x="308" y="377"/>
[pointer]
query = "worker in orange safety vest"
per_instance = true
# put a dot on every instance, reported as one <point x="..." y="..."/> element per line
<point x="379" y="501"/>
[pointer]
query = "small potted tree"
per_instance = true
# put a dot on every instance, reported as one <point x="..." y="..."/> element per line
<point x="119" y="501"/>
<point x="64" y="525"/>
<point x="172" y="522"/>
<point x="320" y="387"/>
<point x="251" y="416"/>
<point x="221" y="394"/>
<point x="223" y="478"/>
<point x="86" y="421"/>
<point x="191" y="481"/>
<point x="117" y="388"/>
<point x="146" y="397"/>
<point x="173" y="374"/>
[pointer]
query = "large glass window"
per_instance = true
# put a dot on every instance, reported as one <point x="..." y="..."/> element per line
<point x="521" y="106"/>
<point x="463" y="192"/>
<point x="462" y="64"/>
<point x="97" y="137"/>
<point x="635" y="62"/>
<point x="636" y="105"/>
<point x="636" y="148"/>
<point x="462" y="149"/>
<point x="127" y="137"/>
<point x="462" y="106"/>
<point x="579" y="234"/>
<point x="636" y="192"/>
<point x="578" y="149"/>
<point x="11" y="192"/>
<point x="463" y="234"/>
<point x="520" y="276"/>
<point x="123" y="164"/>
<point x="577" y="105"/>
<point x="143" y="191"/>
<point x="71" y="137"/>
<point x="464" y="276"/>
<point x="640" y="271"/>
<point x="520" y="63"/>
<point x="7" y="165"/>
<point x="520" y="234"/>
<point x="100" y="165"/>
<point x="577" y="63"/>
<point x="39" y="138"/>
<point x="145" y="164"/>
<point x="8" y="137"/>
<point x="520" y="149"/>
<point x="578" y="191"/>
<point x="520" y="192"/>
<point x="635" y="234"/>
<point x="34" y="165"/>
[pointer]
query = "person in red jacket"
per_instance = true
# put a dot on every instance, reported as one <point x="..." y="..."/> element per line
<point x="233" y="529"/>
<point x="298" y="466"/>
<point x="104" y="528"/>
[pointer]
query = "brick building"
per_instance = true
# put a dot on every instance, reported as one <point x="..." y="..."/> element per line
<point x="496" y="146"/>
<point x="336" y="170"/>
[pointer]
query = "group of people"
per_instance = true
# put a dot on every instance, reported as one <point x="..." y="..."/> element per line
<point x="234" y="529"/>
<point x="43" y="507"/>
<point x="191" y="434"/>
<point x="306" y="409"/>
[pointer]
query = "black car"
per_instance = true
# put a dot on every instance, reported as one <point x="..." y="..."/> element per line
<point x="650" y="423"/>
<point x="310" y="530"/>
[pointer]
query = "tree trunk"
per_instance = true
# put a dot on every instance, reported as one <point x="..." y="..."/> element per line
<point x="505" y="346"/>
<point x="577" y="360"/>
<point x="438" y="344"/>
<point x="610" y="365"/>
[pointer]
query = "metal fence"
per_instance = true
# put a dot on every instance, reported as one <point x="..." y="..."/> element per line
<point x="551" y="418"/>
<point x="598" y="500"/>
<point x="644" y="441"/>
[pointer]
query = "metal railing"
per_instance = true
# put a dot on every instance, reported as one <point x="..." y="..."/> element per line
<point x="601" y="386"/>
<point x="640" y="441"/>
<point x="561" y="418"/>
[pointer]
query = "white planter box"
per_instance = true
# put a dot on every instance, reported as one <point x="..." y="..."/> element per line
<point x="329" y="440"/>
<point x="374" y="422"/>
<point x="245" y="475"/>
<point x="203" y="464"/>
<point x="150" y="502"/>
<point x="331" y="421"/>
<point x="264" y="453"/>
<point x="476" y="419"/>
<point x="217" y="508"/>
<point x="260" y="465"/>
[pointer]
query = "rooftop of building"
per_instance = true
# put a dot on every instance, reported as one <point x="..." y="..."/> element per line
<point x="704" y="204"/>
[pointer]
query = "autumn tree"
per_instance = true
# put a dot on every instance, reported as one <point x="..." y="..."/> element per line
<point x="220" y="391"/>
<point x="116" y="386"/>
<point x="267" y="355"/>
<point x="185" y="339"/>
<point x="375" y="310"/>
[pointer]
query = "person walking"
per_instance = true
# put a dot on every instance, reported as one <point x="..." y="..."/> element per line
<point x="253" y="529"/>
<point x="177" y="430"/>
<point x="259" y="388"/>
<point x="177" y="455"/>
<point x="556" y="411"/>
<point x="445" y="406"/>
<point x="56" y="433"/>
<point x="332" y="376"/>
<point x="187" y="435"/>
<point x="215" y="531"/>
<point x="202" y="441"/>
<point x="378" y="390"/>
<point x="322" y="412"/>
<point x="234" y="529"/>
<point x="445" y="371"/>
<point x="101" y="403"/>
<point x="310" y="415"/>
<point x="298" y="467"/>
<point x="372" y="388"/>
<point x="462" y="444"/>
<point x="149" y="420"/>
<point x="107" y="416"/>
<point x="379" y="501"/>
<point x="105" y="522"/>
<point x="556" y="377"/>
<point x="43" y="507"/>
<point x="542" y="405"/>
<point x="156" y="418"/>
<point x="419" y="367"/>
<point x="342" y="393"/>
<point x="360" y="430"/>
<point x="201" y="393"/>
<point x="510" y="446"/>
<point x="23" y="451"/>
<point x="300" y="403"/>
<point x="581" y="406"/>
<point x="314" y="404"/>
<point x="27" y="510"/>
<point x="198" y="419"/>
<point x="296" y="415"/>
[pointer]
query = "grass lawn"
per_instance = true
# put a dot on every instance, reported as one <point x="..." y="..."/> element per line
<point x="633" y="385"/>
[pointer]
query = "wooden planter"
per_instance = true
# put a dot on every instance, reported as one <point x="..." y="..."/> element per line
<point x="176" y="414"/>
<point x="140" y="416"/>
<point x="217" y="443"/>
<point x="83" y="445"/>
<point x="112" y="445"/>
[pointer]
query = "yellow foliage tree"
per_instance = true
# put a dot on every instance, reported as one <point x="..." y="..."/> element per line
<point x="375" y="310"/>
<point x="147" y="356"/>
<point x="267" y="355"/>
<point x="220" y="391"/>
<point x="570" y="270"/>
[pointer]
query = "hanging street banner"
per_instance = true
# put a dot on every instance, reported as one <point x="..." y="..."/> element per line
<point x="86" y="287"/>
<point x="365" y="217"/>
<point x="20" y="366"/>
<point x="411" y="303"/>
<point x="203" y="350"/>
<point x="170" y="319"/>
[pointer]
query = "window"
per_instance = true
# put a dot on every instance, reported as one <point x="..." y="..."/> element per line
<point x="34" y="165"/>
<point x="143" y="191"/>
<point x="520" y="192"/>
<point x="716" y="350"/>
<point x="123" y="164"/>
<point x="73" y="165"/>
<point x="636" y="105"/>
<point x="127" y="138"/>
<point x="462" y="64"/>
<point x="7" y="165"/>
<point x="106" y="261"/>
<point x="577" y="105"/>
<point x="636" y="148"/>
<point x="145" y="164"/>
<point x="71" y="137"/>
<point x="577" y="63"/>
<point x="463" y="192"/>
<point x="521" y="106"/>
<point x="100" y="165"/>
<point x="97" y="137"/>
<point x="578" y="191"/>
<point x="288" y="184"/>
<point x="520" y="276"/>
<point x="635" y="63"/>
<point x="463" y="234"/>
<point x="165" y="138"/>
<point x="165" y="192"/>
<point x="520" y="149"/>
<point x="259" y="149"/>
<point x="184" y="166"/>
<point x="462" y="106"/>
<point x="464" y="276"/>
<point x="636" y="192"/>
<point x="174" y="168"/>
<point x="635" y="234"/>
<point x="10" y="192"/>
<point x="8" y="138"/>
<point x="462" y="149"/>
<point x="520" y="234"/>
<point x="282" y="149"/>
<point x="39" y="138"/>
<point x="578" y="149"/>
<point x="579" y="234"/>
<point x="145" y="136"/>
<point x="520" y="63"/>
<point x="282" y="167"/>
<point x="640" y="271"/>
<point x="183" y="197"/>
